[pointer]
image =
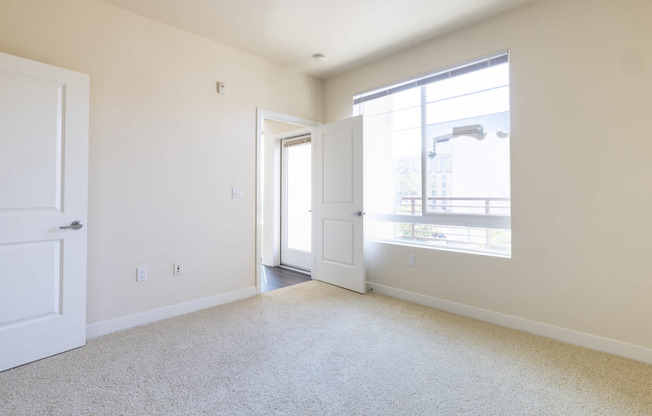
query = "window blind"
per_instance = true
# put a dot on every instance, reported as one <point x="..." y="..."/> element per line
<point x="295" y="142"/>
<point x="493" y="60"/>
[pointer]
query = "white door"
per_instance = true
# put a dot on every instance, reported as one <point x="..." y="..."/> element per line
<point x="337" y="204"/>
<point x="296" y="203"/>
<point x="43" y="186"/>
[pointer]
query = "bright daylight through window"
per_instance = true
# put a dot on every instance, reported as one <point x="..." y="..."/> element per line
<point x="437" y="159"/>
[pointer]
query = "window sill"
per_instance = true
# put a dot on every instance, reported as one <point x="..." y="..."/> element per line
<point x="438" y="248"/>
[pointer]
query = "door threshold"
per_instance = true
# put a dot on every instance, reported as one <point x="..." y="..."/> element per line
<point x="295" y="269"/>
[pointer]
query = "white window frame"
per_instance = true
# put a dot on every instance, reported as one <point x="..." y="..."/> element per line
<point x="487" y="221"/>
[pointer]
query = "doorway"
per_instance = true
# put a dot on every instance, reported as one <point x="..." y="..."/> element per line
<point x="337" y="205"/>
<point x="272" y="129"/>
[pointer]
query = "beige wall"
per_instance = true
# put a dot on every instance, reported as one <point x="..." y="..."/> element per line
<point x="165" y="149"/>
<point x="581" y="77"/>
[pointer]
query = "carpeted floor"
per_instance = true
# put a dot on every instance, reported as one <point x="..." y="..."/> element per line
<point x="314" y="349"/>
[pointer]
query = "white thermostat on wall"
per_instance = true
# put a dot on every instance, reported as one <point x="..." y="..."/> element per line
<point x="237" y="192"/>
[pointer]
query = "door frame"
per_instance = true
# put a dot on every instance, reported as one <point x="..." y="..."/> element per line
<point x="261" y="116"/>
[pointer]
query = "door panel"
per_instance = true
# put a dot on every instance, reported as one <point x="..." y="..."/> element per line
<point x="39" y="293"/>
<point x="43" y="186"/>
<point x="338" y="163"/>
<point x="338" y="242"/>
<point x="337" y="190"/>
<point x="36" y="108"/>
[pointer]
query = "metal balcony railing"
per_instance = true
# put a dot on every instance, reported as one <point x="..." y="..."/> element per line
<point x="465" y="205"/>
<point x="482" y="239"/>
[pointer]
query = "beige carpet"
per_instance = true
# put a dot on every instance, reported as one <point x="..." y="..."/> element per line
<point x="313" y="349"/>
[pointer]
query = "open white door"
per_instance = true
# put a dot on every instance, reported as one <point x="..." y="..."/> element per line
<point x="43" y="186"/>
<point x="337" y="204"/>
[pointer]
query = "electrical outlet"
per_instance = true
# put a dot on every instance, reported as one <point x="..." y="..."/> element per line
<point x="177" y="269"/>
<point x="411" y="260"/>
<point x="141" y="274"/>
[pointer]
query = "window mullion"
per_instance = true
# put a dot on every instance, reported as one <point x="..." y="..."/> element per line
<point x="424" y="161"/>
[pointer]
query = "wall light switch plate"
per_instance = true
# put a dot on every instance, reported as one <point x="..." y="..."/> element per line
<point x="412" y="260"/>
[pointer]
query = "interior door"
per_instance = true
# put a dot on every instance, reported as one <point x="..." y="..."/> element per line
<point x="43" y="186"/>
<point x="296" y="203"/>
<point x="337" y="204"/>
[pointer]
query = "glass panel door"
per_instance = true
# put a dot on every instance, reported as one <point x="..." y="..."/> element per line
<point x="296" y="197"/>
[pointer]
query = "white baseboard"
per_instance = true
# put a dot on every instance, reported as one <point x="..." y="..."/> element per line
<point x="594" y="342"/>
<point x="113" y="325"/>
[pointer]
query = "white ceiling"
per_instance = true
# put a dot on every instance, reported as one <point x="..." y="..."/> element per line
<point x="289" y="32"/>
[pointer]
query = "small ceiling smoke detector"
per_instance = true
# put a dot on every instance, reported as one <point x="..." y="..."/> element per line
<point x="319" y="57"/>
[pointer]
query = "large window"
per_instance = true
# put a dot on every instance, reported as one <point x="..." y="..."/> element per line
<point x="437" y="159"/>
